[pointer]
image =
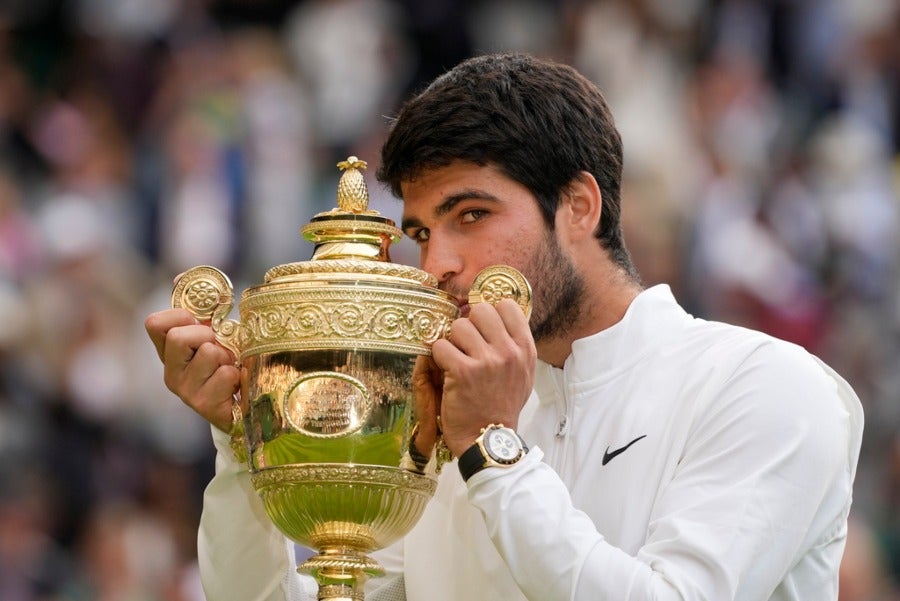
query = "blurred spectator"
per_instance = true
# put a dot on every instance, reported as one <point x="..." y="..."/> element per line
<point x="354" y="63"/>
<point x="863" y="575"/>
<point x="33" y="565"/>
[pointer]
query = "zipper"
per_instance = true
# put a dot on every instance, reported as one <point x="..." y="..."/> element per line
<point x="562" y="427"/>
<point x="563" y="421"/>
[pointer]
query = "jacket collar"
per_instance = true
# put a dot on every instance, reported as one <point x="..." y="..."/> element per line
<point x="653" y="318"/>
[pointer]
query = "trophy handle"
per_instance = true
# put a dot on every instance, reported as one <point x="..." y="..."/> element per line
<point x="496" y="282"/>
<point x="209" y="296"/>
<point x="207" y="293"/>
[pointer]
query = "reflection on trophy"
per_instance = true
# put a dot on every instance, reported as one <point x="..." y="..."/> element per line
<point x="340" y="450"/>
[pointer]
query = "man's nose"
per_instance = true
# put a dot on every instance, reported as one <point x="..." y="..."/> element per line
<point x="441" y="260"/>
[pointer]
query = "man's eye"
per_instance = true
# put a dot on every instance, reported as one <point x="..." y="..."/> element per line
<point x="473" y="215"/>
<point x="419" y="236"/>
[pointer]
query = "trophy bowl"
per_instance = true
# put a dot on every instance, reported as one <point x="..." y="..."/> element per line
<point x="340" y="449"/>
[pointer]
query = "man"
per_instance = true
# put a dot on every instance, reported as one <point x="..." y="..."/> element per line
<point x="670" y="457"/>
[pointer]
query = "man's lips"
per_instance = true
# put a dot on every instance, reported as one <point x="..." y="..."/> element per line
<point x="461" y="299"/>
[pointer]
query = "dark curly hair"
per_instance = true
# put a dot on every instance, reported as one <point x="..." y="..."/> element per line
<point x="540" y="122"/>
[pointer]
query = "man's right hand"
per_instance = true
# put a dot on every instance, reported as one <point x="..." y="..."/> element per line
<point x="197" y="369"/>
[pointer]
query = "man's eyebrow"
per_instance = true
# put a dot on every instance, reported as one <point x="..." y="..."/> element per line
<point x="410" y="222"/>
<point x="448" y="204"/>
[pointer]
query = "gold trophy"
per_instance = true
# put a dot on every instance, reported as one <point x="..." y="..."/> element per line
<point x="328" y="349"/>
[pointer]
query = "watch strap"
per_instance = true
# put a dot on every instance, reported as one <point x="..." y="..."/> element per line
<point x="471" y="462"/>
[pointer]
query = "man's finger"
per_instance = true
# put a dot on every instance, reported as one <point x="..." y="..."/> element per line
<point x="514" y="321"/>
<point x="191" y="379"/>
<point x="182" y="343"/>
<point x="464" y="338"/>
<point x="489" y="322"/>
<point x="214" y="397"/>
<point x="158" y="325"/>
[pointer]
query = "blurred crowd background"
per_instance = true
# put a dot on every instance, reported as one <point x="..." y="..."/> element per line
<point x="142" y="137"/>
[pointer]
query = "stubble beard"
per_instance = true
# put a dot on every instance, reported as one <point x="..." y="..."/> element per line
<point x="558" y="292"/>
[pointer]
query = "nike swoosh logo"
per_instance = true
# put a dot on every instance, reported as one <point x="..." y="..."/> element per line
<point x="607" y="456"/>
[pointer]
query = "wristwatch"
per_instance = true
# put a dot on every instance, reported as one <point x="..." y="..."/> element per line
<point x="497" y="446"/>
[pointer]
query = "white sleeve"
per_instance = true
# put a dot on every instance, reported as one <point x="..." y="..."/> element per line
<point x="241" y="554"/>
<point x="766" y="475"/>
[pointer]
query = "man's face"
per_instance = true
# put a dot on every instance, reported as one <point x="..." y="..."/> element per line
<point x="465" y="217"/>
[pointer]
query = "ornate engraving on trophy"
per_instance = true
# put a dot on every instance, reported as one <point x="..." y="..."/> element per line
<point x="327" y="405"/>
<point x="383" y="321"/>
<point x="342" y="266"/>
<point x="388" y="323"/>
<point x="205" y="291"/>
<point x="349" y="319"/>
<point x="493" y="284"/>
<point x="309" y="320"/>
<point x="428" y="326"/>
<point x="203" y="295"/>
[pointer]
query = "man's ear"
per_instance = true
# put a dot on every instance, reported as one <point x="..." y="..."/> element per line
<point x="580" y="207"/>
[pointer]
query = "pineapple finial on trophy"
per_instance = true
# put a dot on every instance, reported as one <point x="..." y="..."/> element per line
<point x="351" y="230"/>
<point x="352" y="194"/>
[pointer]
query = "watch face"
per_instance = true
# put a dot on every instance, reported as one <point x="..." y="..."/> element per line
<point x="502" y="445"/>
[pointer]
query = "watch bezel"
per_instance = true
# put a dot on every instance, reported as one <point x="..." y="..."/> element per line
<point x="494" y="431"/>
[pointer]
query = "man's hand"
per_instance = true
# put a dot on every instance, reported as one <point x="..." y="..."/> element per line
<point x="488" y="364"/>
<point x="197" y="369"/>
<point x="427" y="388"/>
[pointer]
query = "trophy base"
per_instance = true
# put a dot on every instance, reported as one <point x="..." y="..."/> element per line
<point x="341" y="573"/>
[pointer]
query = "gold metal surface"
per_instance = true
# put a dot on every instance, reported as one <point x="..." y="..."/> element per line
<point x="327" y="350"/>
<point x="207" y="293"/>
<point x="352" y="194"/>
<point x="494" y="283"/>
<point x="351" y="231"/>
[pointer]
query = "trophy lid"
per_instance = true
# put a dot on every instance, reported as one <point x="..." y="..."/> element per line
<point x="351" y="238"/>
